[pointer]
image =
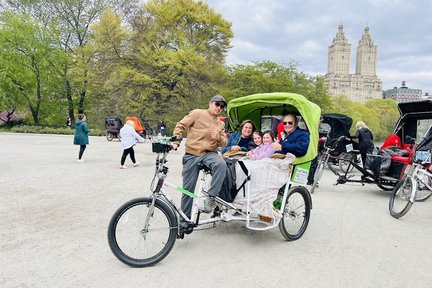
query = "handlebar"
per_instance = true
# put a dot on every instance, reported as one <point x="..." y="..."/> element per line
<point x="333" y="147"/>
<point x="164" y="144"/>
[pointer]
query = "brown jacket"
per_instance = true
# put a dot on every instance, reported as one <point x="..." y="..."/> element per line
<point x="200" y="123"/>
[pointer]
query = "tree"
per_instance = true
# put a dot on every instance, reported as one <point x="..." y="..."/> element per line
<point x="176" y="50"/>
<point x="29" y="55"/>
<point x="268" y="76"/>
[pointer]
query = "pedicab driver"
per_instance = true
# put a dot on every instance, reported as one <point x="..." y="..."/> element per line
<point x="205" y="134"/>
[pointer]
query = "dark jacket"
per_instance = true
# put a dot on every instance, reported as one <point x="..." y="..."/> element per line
<point x="234" y="140"/>
<point x="365" y="140"/>
<point x="296" y="143"/>
<point x="81" y="133"/>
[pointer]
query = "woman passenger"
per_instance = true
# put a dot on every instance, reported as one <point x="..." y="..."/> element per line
<point x="239" y="141"/>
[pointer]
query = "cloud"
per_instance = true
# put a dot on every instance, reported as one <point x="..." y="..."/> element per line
<point x="302" y="30"/>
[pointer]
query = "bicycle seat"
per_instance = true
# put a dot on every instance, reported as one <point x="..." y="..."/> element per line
<point x="204" y="167"/>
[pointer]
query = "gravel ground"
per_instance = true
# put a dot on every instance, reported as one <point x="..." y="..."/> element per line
<point x="54" y="215"/>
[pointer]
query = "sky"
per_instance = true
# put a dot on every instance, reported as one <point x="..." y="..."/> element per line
<point x="302" y="30"/>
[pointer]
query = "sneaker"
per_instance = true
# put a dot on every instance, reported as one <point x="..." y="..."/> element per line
<point x="209" y="204"/>
<point x="136" y="164"/>
<point x="79" y="161"/>
<point x="123" y="167"/>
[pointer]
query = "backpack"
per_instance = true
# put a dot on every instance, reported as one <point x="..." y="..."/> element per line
<point x="229" y="188"/>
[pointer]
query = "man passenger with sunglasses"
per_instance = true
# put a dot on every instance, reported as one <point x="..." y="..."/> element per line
<point x="205" y="134"/>
<point x="294" y="140"/>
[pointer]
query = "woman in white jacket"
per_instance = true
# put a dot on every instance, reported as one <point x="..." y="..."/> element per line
<point x="129" y="137"/>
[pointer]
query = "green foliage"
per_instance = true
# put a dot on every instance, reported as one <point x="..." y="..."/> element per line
<point x="267" y="76"/>
<point x="27" y="64"/>
<point x="175" y="51"/>
<point x="51" y="130"/>
<point x="380" y="115"/>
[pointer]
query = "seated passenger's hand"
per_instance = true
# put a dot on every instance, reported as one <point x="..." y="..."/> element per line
<point x="235" y="148"/>
<point x="277" y="146"/>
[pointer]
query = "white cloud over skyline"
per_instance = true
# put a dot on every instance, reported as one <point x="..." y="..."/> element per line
<point x="301" y="31"/>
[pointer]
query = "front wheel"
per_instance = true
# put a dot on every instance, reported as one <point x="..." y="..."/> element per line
<point x="296" y="214"/>
<point x="109" y="136"/>
<point x="423" y="193"/>
<point x="345" y="161"/>
<point x="133" y="243"/>
<point x="400" y="202"/>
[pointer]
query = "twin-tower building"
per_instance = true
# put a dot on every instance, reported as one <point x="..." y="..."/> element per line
<point x="364" y="84"/>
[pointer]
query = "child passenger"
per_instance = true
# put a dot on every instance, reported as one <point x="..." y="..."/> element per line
<point x="256" y="140"/>
<point x="265" y="150"/>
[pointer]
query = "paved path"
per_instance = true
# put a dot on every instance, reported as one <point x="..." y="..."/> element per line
<point x="54" y="215"/>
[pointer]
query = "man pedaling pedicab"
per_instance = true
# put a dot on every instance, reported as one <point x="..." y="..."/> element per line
<point x="206" y="133"/>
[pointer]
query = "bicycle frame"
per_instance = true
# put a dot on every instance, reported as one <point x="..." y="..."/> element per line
<point x="159" y="192"/>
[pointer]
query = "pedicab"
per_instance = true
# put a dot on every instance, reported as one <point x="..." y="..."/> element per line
<point x="143" y="231"/>
<point x="385" y="166"/>
<point x="343" y="149"/>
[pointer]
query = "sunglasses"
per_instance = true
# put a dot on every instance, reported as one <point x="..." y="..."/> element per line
<point x="219" y="104"/>
<point x="287" y="123"/>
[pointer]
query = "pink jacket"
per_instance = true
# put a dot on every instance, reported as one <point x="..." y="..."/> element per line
<point x="262" y="151"/>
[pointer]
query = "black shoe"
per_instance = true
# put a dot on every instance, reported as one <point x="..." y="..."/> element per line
<point x="209" y="204"/>
<point x="185" y="227"/>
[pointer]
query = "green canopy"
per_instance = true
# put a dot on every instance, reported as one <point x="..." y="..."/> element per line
<point x="255" y="106"/>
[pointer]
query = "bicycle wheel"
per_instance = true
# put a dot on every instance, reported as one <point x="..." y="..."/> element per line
<point x="318" y="174"/>
<point x="423" y="193"/>
<point x="400" y="202"/>
<point x="134" y="246"/>
<point x="109" y="136"/>
<point x="344" y="161"/>
<point x="296" y="214"/>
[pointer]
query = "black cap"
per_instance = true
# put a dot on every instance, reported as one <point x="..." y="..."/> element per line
<point x="218" y="98"/>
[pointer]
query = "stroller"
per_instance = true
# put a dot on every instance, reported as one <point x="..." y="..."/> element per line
<point x="138" y="127"/>
<point x="113" y="124"/>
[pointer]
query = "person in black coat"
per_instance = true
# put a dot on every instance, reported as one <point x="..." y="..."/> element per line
<point x="365" y="140"/>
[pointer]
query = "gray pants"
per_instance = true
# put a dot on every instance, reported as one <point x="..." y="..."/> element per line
<point x="190" y="176"/>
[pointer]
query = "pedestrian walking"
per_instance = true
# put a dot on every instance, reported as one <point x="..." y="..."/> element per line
<point x="81" y="134"/>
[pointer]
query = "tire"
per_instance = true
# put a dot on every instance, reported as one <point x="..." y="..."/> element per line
<point x="318" y="174"/>
<point x="109" y="136"/>
<point x="126" y="238"/>
<point x="344" y="161"/>
<point x="423" y="193"/>
<point x="400" y="202"/>
<point x="296" y="214"/>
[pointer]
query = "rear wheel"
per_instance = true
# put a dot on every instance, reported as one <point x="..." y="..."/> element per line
<point x="400" y="202"/>
<point x="296" y="214"/>
<point x="109" y="136"/>
<point x="135" y="245"/>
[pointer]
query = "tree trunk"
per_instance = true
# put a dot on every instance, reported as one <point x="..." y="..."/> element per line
<point x="83" y="91"/>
